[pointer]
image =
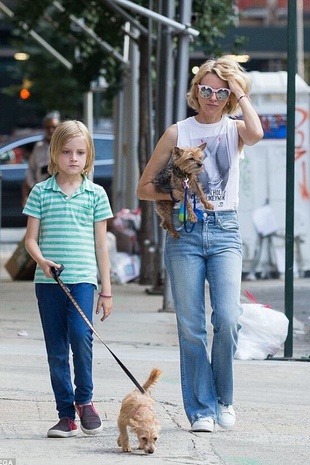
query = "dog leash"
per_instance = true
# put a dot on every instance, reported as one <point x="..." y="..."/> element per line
<point x="196" y="210"/>
<point x="56" y="273"/>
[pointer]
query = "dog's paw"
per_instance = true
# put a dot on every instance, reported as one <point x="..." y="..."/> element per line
<point x="193" y="218"/>
<point x="173" y="233"/>
<point x="127" y="449"/>
<point x="124" y="444"/>
<point x="207" y="205"/>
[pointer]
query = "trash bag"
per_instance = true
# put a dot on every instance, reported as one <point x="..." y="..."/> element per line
<point x="263" y="332"/>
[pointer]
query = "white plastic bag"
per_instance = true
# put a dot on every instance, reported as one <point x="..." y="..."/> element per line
<point x="127" y="267"/>
<point x="263" y="332"/>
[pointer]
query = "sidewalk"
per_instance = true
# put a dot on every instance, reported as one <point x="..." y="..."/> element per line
<point x="272" y="398"/>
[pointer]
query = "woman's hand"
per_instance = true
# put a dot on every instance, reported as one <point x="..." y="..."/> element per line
<point x="235" y="88"/>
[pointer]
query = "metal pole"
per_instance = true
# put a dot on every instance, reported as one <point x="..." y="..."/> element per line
<point x="300" y="39"/>
<point x="161" y="18"/>
<point x="0" y="207"/>
<point x="182" y="62"/>
<point x="88" y="117"/>
<point x="92" y="34"/>
<point x="164" y="118"/>
<point x="290" y="174"/>
<point x="38" y="38"/>
<point x="131" y="114"/>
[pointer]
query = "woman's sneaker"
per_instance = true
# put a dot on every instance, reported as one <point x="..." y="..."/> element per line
<point x="65" y="428"/>
<point x="90" y="420"/>
<point x="203" y="425"/>
<point x="227" y="416"/>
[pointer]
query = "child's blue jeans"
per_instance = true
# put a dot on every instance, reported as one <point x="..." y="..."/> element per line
<point x="64" y="327"/>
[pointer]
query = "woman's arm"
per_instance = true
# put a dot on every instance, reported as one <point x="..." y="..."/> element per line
<point x="160" y="157"/>
<point x="250" y="129"/>
<point x="103" y="262"/>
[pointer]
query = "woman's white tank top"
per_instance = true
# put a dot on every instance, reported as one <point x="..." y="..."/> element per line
<point x="220" y="178"/>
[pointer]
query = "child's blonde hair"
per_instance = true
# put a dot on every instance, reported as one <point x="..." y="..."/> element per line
<point x="64" y="132"/>
<point x="226" y="69"/>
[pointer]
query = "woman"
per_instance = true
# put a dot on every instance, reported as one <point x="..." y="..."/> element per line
<point x="212" y="250"/>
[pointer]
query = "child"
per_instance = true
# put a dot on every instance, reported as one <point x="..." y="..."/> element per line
<point x="67" y="224"/>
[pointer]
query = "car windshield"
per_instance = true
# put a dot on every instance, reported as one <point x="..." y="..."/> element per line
<point x="19" y="153"/>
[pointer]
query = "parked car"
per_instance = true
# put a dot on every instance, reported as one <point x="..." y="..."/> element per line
<point x="13" y="166"/>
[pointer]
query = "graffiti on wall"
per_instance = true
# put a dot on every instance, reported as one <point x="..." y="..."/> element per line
<point x="275" y="128"/>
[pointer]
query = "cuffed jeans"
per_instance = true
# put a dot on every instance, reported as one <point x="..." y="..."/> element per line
<point x="63" y="327"/>
<point x="212" y="252"/>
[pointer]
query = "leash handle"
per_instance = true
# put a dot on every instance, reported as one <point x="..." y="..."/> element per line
<point x="56" y="273"/>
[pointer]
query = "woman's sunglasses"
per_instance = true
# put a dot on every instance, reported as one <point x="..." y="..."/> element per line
<point x="206" y="92"/>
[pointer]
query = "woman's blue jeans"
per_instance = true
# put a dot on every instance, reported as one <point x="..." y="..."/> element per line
<point x="63" y="327"/>
<point x="212" y="252"/>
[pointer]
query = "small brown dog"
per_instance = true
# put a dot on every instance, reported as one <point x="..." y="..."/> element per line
<point x="184" y="166"/>
<point x="138" y="414"/>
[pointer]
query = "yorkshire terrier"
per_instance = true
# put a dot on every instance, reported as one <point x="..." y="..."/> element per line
<point x="137" y="413"/>
<point x="183" y="167"/>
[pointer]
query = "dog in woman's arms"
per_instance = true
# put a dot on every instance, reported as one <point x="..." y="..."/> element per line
<point x="184" y="166"/>
<point x="137" y="413"/>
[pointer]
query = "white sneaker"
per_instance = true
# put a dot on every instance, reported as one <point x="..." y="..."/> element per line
<point x="227" y="416"/>
<point x="203" y="425"/>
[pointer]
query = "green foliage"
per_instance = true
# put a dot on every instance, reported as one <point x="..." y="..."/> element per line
<point x="211" y="18"/>
<point x="65" y="88"/>
<point x="52" y="82"/>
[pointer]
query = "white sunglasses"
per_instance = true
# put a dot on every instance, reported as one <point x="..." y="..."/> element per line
<point x="206" y="92"/>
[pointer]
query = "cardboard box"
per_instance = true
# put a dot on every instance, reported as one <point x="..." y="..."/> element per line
<point x="21" y="265"/>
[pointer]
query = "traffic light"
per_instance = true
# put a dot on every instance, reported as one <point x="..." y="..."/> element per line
<point x="24" y="94"/>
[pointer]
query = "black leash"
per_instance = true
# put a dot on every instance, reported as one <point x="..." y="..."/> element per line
<point x="56" y="273"/>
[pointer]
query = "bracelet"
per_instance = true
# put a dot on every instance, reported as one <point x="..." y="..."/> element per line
<point x="105" y="296"/>
<point x="172" y="198"/>
<point x="244" y="95"/>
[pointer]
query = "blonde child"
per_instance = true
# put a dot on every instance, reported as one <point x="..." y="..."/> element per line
<point x="67" y="224"/>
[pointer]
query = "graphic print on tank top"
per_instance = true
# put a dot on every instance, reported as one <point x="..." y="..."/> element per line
<point x="217" y="165"/>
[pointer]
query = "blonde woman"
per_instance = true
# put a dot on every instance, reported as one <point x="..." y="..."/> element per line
<point x="211" y="249"/>
<point x="67" y="224"/>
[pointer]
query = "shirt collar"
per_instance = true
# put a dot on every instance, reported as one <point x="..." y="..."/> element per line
<point x="86" y="185"/>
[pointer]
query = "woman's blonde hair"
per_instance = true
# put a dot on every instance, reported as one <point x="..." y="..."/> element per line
<point x="226" y="69"/>
<point x="66" y="131"/>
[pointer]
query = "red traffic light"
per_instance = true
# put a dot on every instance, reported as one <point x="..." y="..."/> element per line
<point x="24" y="94"/>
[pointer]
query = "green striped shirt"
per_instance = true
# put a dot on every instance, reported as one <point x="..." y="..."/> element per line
<point x="67" y="227"/>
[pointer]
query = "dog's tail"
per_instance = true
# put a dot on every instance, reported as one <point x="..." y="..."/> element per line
<point x="153" y="378"/>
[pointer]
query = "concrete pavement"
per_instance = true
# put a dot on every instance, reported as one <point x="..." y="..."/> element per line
<point x="272" y="398"/>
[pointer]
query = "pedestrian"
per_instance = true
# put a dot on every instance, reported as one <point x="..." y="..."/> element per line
<point x="38" y="159"/>
<point x="212" y="250"/>
<point x="67" y="224"/>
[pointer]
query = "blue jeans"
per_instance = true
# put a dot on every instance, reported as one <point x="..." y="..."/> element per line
<point x="212" y="252"/>
<point x="63" y="327"/>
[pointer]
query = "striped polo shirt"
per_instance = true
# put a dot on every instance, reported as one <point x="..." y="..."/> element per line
<point x="66" y="233"/>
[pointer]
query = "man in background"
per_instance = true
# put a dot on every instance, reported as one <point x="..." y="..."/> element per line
<point x="38" y="160"/>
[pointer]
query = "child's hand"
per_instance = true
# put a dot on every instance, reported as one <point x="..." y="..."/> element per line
<point x="104" y="304"/>
<point x="46" y="266"/>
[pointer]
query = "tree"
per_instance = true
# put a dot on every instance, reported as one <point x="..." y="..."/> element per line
<point x="88" y="58"/>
